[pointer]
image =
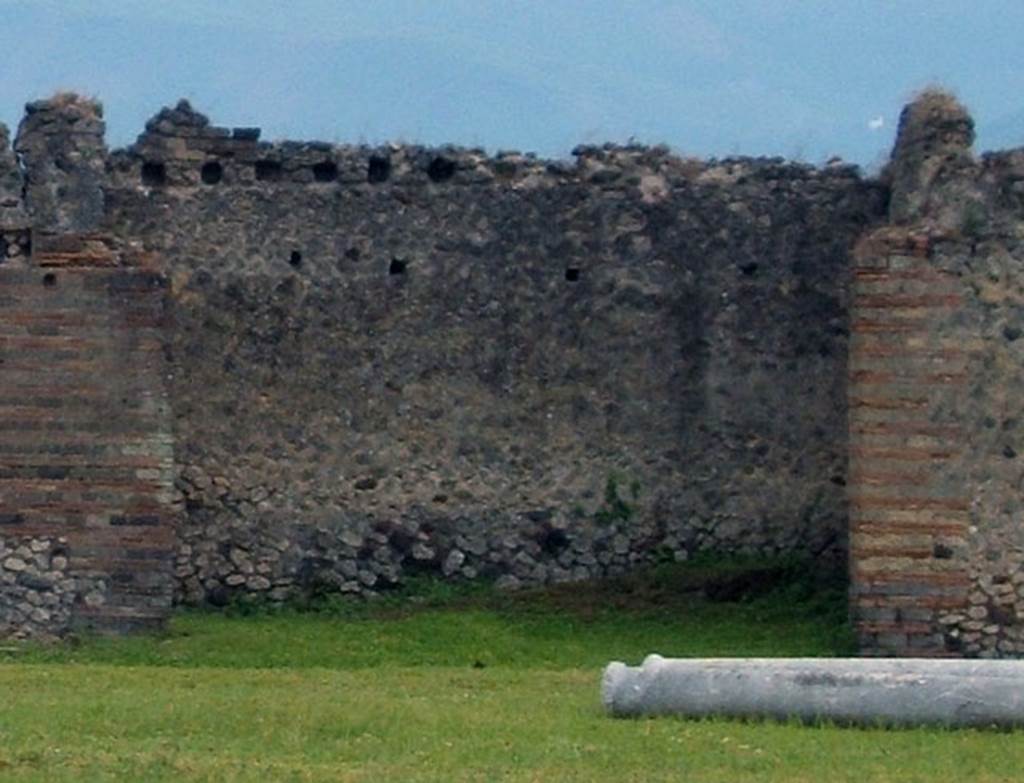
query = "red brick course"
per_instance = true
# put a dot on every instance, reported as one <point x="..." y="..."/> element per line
<point x="905" y="514"/>
<point x="84" y="423"/>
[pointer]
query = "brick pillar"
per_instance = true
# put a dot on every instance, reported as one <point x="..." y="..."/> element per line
<point x="86" y="467"/>
<point x="909" y="506"/>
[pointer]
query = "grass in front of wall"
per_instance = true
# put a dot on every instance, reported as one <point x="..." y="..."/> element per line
<point x="755" y="609"/>
<point x="454" y="685"/>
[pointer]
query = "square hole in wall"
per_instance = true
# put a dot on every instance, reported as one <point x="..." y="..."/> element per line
<point x="153" y="173"/>
<point x="325" y="171"/>
<point x="441" y="169"/>
<point x="212" y="172"/>
<point x="268" y="170"/>
<point x="378" y="169"/>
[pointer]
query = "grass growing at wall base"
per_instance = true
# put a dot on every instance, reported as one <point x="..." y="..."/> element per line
<point x="709" y="607"/>
<point x="457" y="685"/>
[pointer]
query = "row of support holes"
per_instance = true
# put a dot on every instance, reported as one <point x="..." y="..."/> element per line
<point x="400" y="266"/>
<point x="378" y="170"/>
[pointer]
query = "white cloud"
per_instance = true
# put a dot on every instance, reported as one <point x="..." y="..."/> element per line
<point x="876" y="123"/>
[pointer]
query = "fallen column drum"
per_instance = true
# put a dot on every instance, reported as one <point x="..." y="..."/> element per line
<point x="863" y="691"/>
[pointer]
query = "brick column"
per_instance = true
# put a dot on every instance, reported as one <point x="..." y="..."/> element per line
<point x="909" y="510"/>
<point x="86" y="465"/>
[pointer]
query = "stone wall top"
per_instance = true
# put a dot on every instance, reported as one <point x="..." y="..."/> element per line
<point x="181" y="148"/>
<point x="63" y="161"/>
<point x="60" y="140"/>
<point x="60" y="146"/>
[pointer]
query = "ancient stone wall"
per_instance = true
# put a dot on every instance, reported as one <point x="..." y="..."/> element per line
<point x="382" y="361"/>
<point x="399" y="359"/>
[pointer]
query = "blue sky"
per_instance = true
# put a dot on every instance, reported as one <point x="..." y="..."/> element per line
<point x="797" y="78"/>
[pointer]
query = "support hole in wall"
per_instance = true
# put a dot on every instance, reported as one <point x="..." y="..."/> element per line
<point x="378" y="170"/>
<point x="398" y="266"/>
<point x="295" y="259"/>
<point x="154" y="174"/>
<point x="268" y="170"/>
<point x="942" y="552"/>
<point x="211" y="173"/>
<point x="325" y="171"/>
<point x="749" y="270"/>
<point x="440" y="169"/>
<point x="572" y="274"/>
<point x="49" y="280"/>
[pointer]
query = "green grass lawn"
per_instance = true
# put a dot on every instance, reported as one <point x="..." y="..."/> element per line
<point x="453" y="686"/>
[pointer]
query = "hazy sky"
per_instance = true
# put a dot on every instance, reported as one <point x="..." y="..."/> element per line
<point x="799" y="78"/>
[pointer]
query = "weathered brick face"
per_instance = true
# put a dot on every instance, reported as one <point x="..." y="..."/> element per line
<point x="86" y="460"/>
<point x="908" y="506"/>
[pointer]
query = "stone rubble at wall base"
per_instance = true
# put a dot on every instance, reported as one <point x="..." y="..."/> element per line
<point x="280" y="561"/>
<point x="37" y="592"/>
